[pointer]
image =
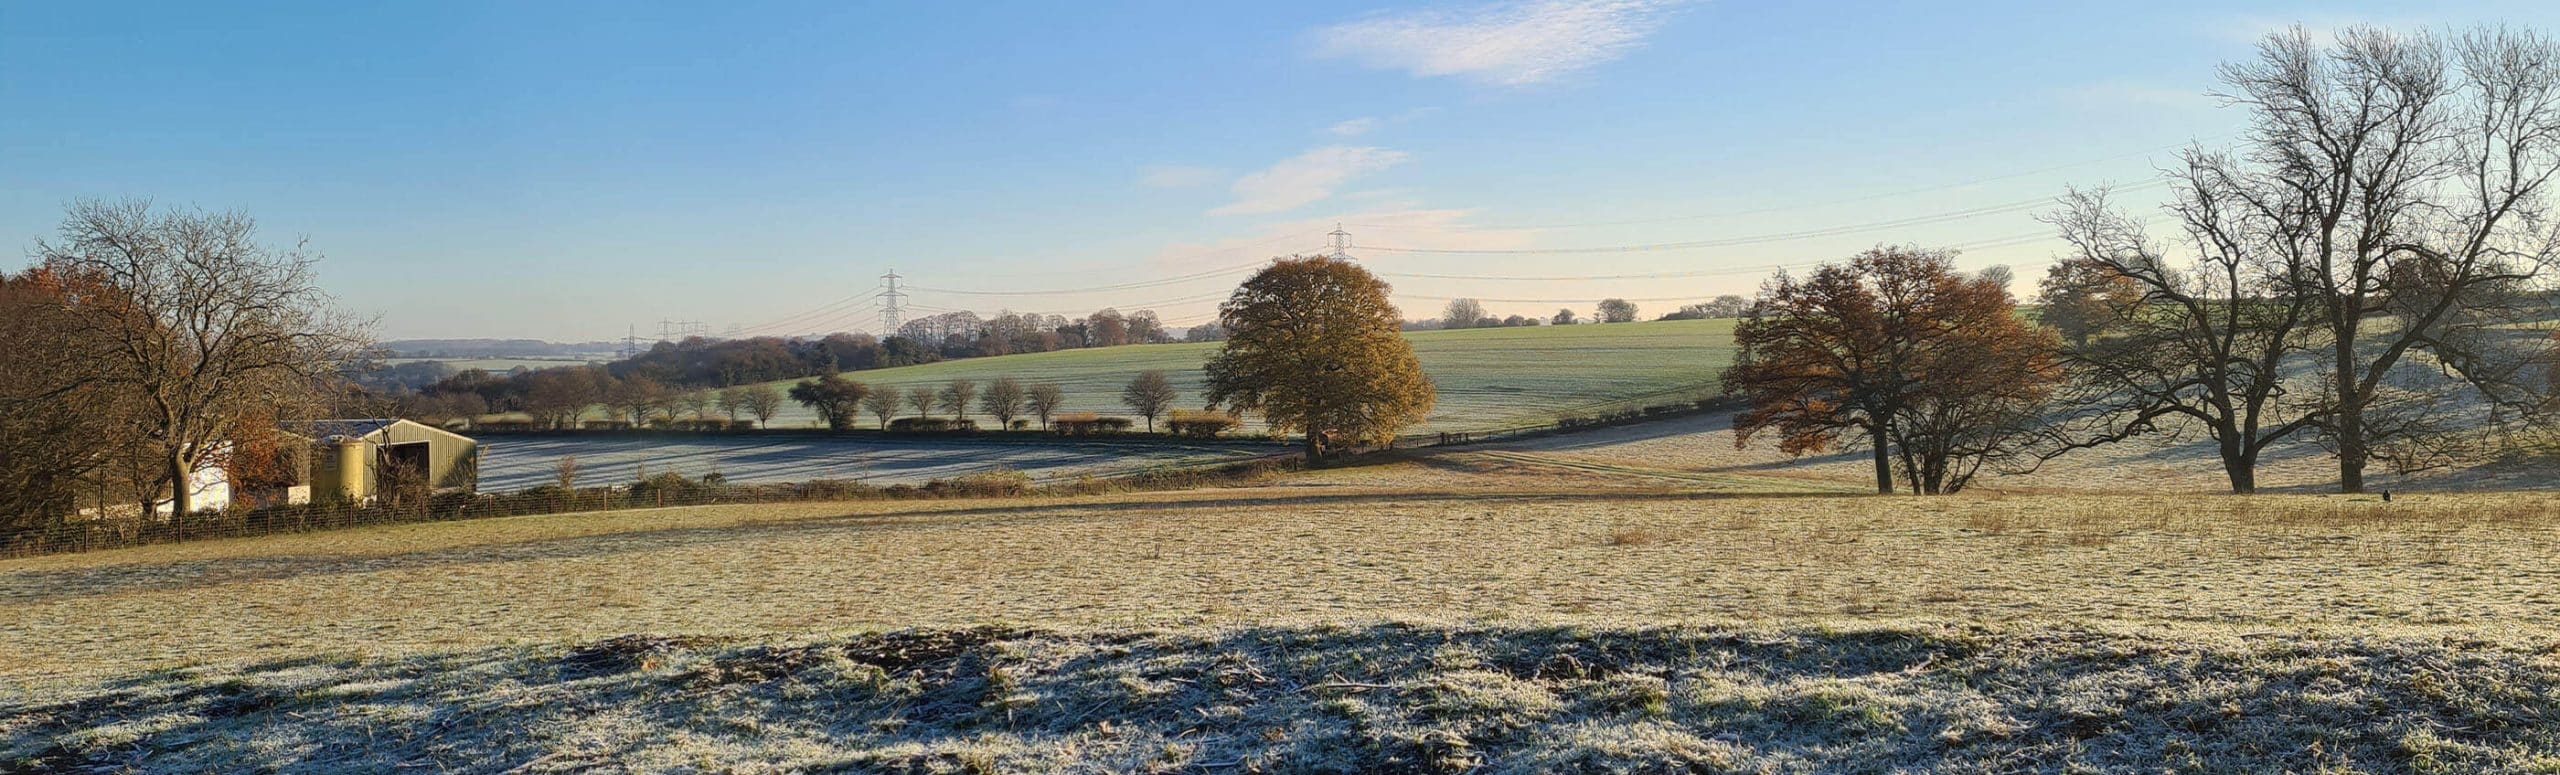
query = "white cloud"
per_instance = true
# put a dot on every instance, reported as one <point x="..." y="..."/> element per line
<point x="1178" y="176"/>
<point x="1512" y="44"/>
<point x="1305" y="179"/>
<point x="1355" y="127"/>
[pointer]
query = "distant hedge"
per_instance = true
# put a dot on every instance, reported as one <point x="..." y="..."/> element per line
<point x="1200" y="425"/>
<point x="1088" y="425"/>
<point x="931" y="425"/>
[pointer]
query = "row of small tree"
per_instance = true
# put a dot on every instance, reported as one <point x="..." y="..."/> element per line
<point x="841" y="403"/>
<point x="1470" y="313"/>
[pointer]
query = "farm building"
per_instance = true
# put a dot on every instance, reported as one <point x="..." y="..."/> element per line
<point x="354" y="460"/>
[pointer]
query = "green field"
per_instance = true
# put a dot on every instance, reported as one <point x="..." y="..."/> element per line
<point x="1488" y="378"/>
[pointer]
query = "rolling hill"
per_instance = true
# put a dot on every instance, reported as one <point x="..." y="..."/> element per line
<point x="1488" y="378"/>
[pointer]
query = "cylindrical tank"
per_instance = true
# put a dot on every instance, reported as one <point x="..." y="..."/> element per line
<point x="355" y="469"/>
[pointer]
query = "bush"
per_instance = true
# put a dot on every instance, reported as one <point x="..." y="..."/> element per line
<point x="1001" y="482"/>
<point x="669" y="486"/>
<point x="1088" y="425"/>
<point x="931" y="425"/>
<point x="1200" y="425"/>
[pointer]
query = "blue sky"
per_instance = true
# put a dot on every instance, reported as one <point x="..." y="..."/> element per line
<point x="564" y="170"/>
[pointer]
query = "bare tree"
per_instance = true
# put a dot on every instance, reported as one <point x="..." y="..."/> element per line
<point x="955" y="397"/>
<point x="921" y="398"/>
<point x="2412" y="171"/>
<point x="205" y="327"/>
<point x="732" y="401"/>
<point x="763" y="401"/>
<point x="637" y="398"/>
<point x="2206" y="349"/>
<point x="1461" y="313"/>
<point x="883" y="404"/>
<point x="1003" y="400"/>
<point x="696" y="403"/>
<point x="1045" y="400"/>
<point x="1149" y="395"/>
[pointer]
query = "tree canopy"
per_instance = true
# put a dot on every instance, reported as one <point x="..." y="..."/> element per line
<point x="1313" y="345"/>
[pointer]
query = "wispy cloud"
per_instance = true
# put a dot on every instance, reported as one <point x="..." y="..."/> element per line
<point x="1178" y="176"/>
<point x="1355" y="127"/>
<point x="1512" y="44"/>
<point x="1305" y="179"/>
<point x="1366" y="124"/>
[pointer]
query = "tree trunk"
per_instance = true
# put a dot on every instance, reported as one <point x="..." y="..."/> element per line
<point x="2240" y="466"/>
<point x="1884" y="459"/>
<point x="1315" y="449"/>
<point x="180" y="499"/>
<point x="2350" y="422"/>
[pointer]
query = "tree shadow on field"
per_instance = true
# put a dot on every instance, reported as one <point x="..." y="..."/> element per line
<point x="71" y="583"/>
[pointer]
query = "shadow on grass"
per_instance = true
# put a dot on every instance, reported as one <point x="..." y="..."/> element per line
<point x="1346" y="698"/>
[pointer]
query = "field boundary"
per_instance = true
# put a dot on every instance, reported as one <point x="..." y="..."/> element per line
<point x="658" y="491"/>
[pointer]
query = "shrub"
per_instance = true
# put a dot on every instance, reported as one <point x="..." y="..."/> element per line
<point x="1200" y="425"/>
<point x="1088" y="425"/>
<point x="931" y="425"/>
<point x="1001" y="482"/>
<point x="669" y="486"/>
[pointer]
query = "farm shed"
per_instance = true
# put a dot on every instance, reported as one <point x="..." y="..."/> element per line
<point x="354" y="460"/>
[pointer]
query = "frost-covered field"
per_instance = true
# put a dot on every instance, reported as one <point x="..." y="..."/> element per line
<point x="510" y="463"/>
<point x="1327" y="629"/>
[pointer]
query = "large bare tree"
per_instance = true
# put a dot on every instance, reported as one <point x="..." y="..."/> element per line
<point x="208" y="331"/>
<point x="2204" y="346"/>
<point x="2413" y="170"/>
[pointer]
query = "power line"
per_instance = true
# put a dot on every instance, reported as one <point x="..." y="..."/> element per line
<point x="1104" y="288"/>
<point x="1828" y="231"/>
<point x="784" y="321"/>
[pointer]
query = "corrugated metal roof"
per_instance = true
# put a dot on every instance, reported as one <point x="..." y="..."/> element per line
<point x="358" y="428"/>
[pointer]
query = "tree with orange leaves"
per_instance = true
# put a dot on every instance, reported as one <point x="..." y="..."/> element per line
<point x="1936" y="370"/>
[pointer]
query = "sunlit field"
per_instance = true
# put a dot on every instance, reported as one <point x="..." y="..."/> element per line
<point x="1488" y="378"/>
<point x="1782" y="629"/>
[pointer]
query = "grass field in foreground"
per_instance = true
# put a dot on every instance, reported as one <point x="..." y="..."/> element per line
<point x="1487" y="378"/>
<point x="1906" y="698"/>
<point x="1302" y="629"/>
<point x="1292" y="552"/>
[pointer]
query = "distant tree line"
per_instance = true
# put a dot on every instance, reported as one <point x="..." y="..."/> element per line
<point x="555" y="397"/>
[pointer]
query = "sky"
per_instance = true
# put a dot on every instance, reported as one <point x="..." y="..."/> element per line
<point x="572" y="171"/>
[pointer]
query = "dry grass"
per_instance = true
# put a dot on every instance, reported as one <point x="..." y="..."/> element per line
<point x="1218" y="557"/>
<point x="1805" y="633"/>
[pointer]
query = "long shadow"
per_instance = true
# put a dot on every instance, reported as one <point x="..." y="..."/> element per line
<point x="42" y="586"/>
